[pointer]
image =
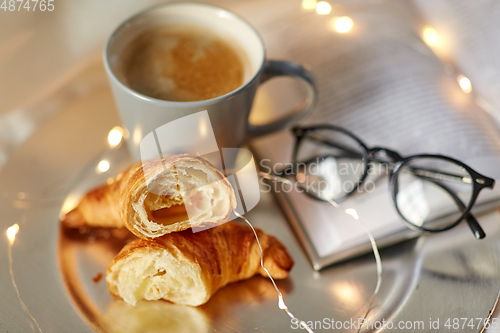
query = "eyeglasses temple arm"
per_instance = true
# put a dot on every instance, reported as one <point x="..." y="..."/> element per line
<point x="475" y="227"/>
<point x="351" y="152"/>
<point x="290" y="169"/>
<point x="437" y="175"/>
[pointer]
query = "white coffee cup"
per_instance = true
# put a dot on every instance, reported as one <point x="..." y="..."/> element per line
<point x="228" y="113"/>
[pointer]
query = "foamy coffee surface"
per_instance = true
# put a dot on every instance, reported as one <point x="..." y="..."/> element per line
<point x="181" y="63"/>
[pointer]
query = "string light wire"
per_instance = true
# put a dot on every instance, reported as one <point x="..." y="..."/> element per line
<point x="376" y="253"/>
<point x="281" y="302"/>
<point x="349" y="211"/>
<point x="11" y="235"/>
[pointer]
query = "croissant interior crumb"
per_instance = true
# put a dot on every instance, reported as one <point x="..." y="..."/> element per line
<point x="147" y="277"/>
<point x="192" y="192"/>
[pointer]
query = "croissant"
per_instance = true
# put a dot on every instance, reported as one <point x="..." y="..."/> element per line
<point x="153" y="199"/>
<point x="188" y="268"/>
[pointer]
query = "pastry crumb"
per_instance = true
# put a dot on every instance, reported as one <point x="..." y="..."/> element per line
<point x="97" y="278"/>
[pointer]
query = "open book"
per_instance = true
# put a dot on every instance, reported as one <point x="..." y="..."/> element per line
<point x="382" y="82"/>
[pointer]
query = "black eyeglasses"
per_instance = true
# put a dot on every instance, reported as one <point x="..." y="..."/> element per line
<point x="432" y="193"/>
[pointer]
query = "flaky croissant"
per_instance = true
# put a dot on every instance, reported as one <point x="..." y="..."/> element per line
<point x="154" y="199"/>
<point x="188" y="268"/>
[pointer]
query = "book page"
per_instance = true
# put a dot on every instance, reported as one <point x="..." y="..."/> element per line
<point x="386" y="87"/>
<point x="470" y="29"/>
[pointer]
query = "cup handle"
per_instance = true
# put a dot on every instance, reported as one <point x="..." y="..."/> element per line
<point x="275" y="68"/>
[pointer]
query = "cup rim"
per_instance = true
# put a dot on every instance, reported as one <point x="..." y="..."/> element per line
<point x="210" y="101"/>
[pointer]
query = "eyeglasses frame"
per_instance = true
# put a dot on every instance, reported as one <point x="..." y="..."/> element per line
<point x="479" y="181"/>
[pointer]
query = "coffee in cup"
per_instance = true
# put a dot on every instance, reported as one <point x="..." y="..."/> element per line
<point x="181" y="62"/>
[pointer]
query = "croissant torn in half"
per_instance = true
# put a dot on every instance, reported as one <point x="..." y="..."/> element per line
<point x="150" y="200"/>
<point x="188" y="268"/>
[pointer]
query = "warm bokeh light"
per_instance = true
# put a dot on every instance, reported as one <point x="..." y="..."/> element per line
<point x="137" y="136"/>
<point x="69" y="204"/>
<point x="464" y="83"/>
<point x="309" y="4"/>
<point x="301" y="177"/>
<point x="115" y="136"/>
<point x="12" y="232"/>
<point x="323" y="8"/>
<point x="348" y="292"/>
<point x="342" y="24"/>
<point x="103" y="166"/>
<point x="203" y="127"/>
<point x="430" y="36"/>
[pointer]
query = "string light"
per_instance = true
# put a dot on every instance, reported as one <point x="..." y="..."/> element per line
<point x="281" y="302"/>
<point x="115" y="136"/>
<point x="430" y="36"/>
<point x="378" y="261"/>
<point x="309" y="4"/>
<point x="323" y="8"/>
<point x="11" y="235"/>
<point x="349" y="211"/>
<point x="352" y="212"/>
<point x="342" y="24"/>
<point x="464" y="83"/>
<point x="103" y="166"/>
<point x="12" y="232"/>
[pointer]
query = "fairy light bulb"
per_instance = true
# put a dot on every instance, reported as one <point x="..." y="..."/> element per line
<point x="353" y="213"/>
<point x="103" y="166"/>
<point x="309" y="4"/>
<point x="115" y="136"/>
<point x="464" y="83"/>
<point x="281" y="303"/>
<point x="342" y="24"/>
<point x="430" y="36"/>
<point x="323" y="8"/>
<point x="301" y="177"/>
<point x="12" y="232"/>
